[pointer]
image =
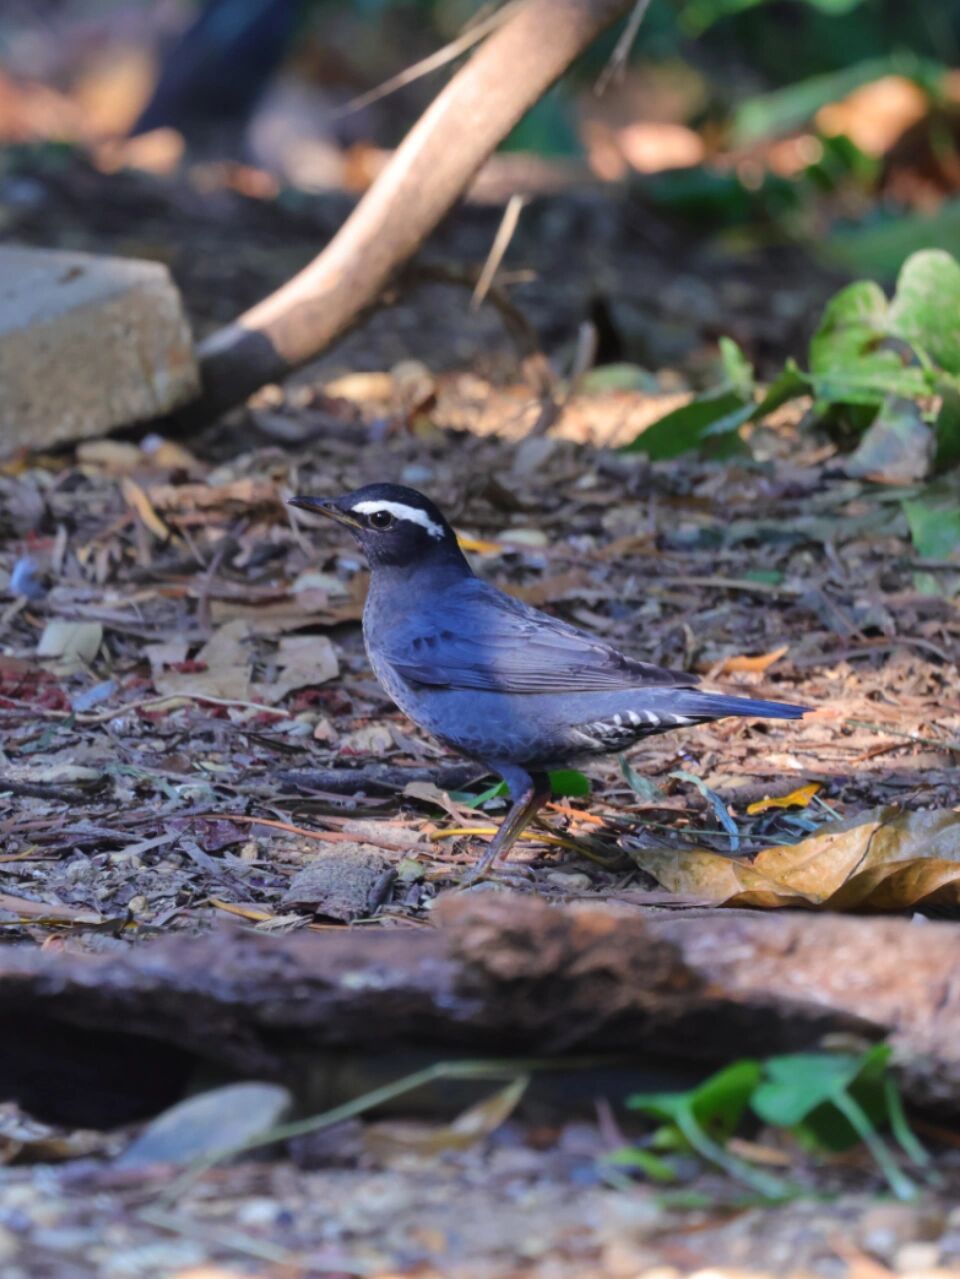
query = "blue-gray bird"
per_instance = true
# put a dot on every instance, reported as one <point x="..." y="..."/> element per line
<point x="516" y="689"/>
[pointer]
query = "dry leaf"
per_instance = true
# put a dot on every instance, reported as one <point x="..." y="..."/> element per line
<point x="246" y="493"/>
<point x="479" y="545"/>
<point x="890" y="861"/>
<point x="479" y="1121"/>
<point x="77" y="641"/>
<point x="227" y="675"/>
<point x="751" y="665"/>
<point x="712" y="879"/>
<point x="304" y="660"/>
<point x="798" y="798"/>
<point x="138" y="501"/>
<point x="115" y="456"/>
<point x="429" y="793"/>
<point x="169" y="652"/>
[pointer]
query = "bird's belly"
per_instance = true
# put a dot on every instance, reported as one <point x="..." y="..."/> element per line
<point x="529" y="729"/>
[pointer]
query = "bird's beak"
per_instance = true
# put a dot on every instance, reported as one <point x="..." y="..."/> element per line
<point x="326" y="506"/>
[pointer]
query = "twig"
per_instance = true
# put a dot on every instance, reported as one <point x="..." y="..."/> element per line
<point x="943" y="744"/>
<point x="323" y="836"/>
<point x="427" y="173"/>
<point x="501" y="242"/>
<point x="473" y="34"/>
<point x="618" y="59"/>
<point x="735" y="584"/>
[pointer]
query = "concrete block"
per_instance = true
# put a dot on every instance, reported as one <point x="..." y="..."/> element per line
<point x="87" y="343"/>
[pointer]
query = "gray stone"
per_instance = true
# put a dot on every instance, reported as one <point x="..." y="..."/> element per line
<point x="87" y="344"/>
<point x="207" y="1123"/>
<point x="343" y="882"/>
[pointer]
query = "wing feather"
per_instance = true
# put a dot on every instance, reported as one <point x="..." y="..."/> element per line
<point x="485" y="640"/>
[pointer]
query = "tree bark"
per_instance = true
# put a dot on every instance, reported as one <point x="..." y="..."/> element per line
<point x="432" y="167"/>
<point x="505" y="974"/>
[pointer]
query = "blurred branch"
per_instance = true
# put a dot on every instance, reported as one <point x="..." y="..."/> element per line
<point x="431" y="168"/>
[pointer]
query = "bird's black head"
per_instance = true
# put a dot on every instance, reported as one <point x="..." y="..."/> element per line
<point x="394" y="525"/>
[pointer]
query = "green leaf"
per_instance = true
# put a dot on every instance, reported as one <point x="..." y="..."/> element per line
<point x="720" y="412"/>
<point x="477" y="801"/>
<point x="569" y="782"/>
<point x="737" y="369"/>
<point x="648" y="791"/>
<point x="617" y="377"/>
<point x="565" y="781"/>
<point x="847" y="363"/>
<point x="852" y="320"/>
<point x="699" y="15"/>
<point x="798" y="1083"/>
<point x="881" y="246"/>
<point x="947" y="425"/>
<point x="718" y="1103"/>
<point x="706" y="1116"/>
<point x="925" y="310"/>
<point x="788" y="385"/>
<point x="645" y="1161"/>
<point x="816" y="1090"/>
<point x="934" y="520"/>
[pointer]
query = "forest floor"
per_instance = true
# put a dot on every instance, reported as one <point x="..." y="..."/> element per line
<point x="183" y="687"/>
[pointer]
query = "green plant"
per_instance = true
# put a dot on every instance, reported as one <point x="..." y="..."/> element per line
<point x="829" y="1101"/>
<point x="866" y="353"/>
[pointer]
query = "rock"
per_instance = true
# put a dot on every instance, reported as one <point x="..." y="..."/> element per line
<point x="210" y="1122"/>
<point x="341" y="883"/>
<point x="86" y="344"/>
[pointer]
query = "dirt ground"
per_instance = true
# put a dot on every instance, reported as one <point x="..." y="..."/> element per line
<point x="183" y="685"/>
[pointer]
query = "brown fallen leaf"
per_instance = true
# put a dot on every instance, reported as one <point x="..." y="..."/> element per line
<point x="400" y="1138"/>
<point x="245" y="493"/>
<point x="138" y="501"/>
<point x="226" y="658"/>
<point x="712" y="878"/>
<point x="303" y="661"/>
<point x="889" y="862"/>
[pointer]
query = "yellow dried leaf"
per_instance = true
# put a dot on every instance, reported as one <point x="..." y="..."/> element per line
<point x="798" y="798"/>
<point x="138" y="501"/>
<point x="884" y="860"/>
<point x="478" y="545"/>
<point x="713" y="878"/>
<point x="751" y="665"/>
<point x="819" y="864"/>
<point x="479" y="1121"/>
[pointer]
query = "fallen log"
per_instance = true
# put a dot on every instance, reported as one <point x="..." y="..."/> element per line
<point x="431" y="168"/>
<point x="505" y="974"/>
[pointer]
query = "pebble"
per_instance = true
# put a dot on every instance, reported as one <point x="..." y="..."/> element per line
<point x="570" y="881"/>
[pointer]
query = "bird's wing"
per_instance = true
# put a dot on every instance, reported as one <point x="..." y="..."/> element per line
<point x="479" y="638"/>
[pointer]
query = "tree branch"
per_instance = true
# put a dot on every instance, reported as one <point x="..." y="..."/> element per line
<point x="433" y="165"/>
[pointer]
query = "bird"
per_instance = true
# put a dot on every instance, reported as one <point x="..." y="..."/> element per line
<point x="515" y="689"/>
<point x="217" y="70"/>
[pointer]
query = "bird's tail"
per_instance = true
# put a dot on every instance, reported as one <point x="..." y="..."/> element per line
<point x="698" y="705"/>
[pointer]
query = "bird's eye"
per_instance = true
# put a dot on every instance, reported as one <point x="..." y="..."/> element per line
<point x="381" y="519"/>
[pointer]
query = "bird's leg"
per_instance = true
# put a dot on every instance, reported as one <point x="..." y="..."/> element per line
<point x="529" y="792"/>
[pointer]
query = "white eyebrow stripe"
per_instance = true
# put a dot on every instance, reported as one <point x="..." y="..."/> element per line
<point x="402" y="512"/>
